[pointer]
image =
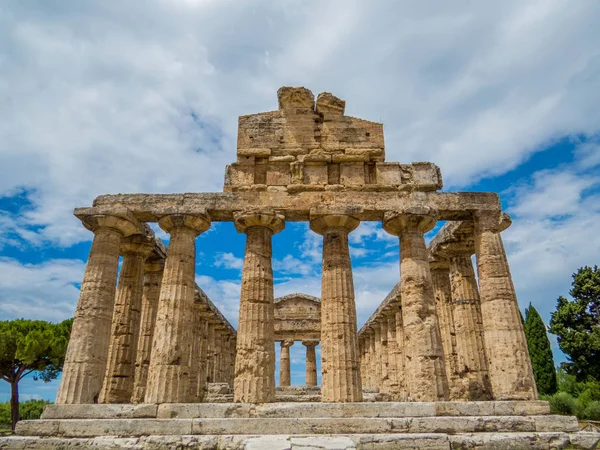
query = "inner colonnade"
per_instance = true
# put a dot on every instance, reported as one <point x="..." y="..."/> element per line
<point x="440" y="335"/>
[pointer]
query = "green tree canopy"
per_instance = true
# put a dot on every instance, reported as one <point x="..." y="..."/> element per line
<point x="31" y="347"/>
<point x="540" y="352"/>
<point x="576" y="323"/>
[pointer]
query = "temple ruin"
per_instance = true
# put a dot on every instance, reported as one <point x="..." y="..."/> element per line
<point x="445" y="352"/>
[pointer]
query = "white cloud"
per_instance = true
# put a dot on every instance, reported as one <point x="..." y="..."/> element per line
<point x="110" y="98"/>
<point x="46" y="291"/>
<point x="225" y="294"/>
<point x="228" y="261"/>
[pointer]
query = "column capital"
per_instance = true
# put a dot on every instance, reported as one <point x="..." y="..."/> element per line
<point x="287" y="343"/>
<point x="196" y="222"/>
<point x="310" y="343"/>
<point x="421" y="218"/>
<point x="438" y="263"/>
<point x="258" y="218"/>
<point x="496" y="221"/>
<point x="137" y="244"/>
<point x="126" y="226"/>
<point x="331" y="222"/>
<point x="154" y="264"/>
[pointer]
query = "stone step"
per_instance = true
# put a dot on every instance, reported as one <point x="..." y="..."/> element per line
<point x="291" y="410"/>
<point x="480" y="441"/>
<point x="347" y="425"/>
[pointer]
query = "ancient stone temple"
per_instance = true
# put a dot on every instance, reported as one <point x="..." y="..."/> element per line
<point x="442" y="362"/>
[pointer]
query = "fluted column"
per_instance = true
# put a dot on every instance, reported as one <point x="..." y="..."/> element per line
<point x="466" y="312"/>
<point x="378" y="369"/>
<point x="440" y="276"/>
<point x="122" y="350"/>
<point x="202" y="356"/>
<point x="193" y="395"/>
<point x="87" y="352"/>
<point x="255" y="359"/>
<point x="233" y="359"/>
<point x="400" y="355"/>
<point x="341" y="380"/>
<point x="218" y="355"/>
<point x="169" y="371"/>
<point x="509" y="365"/>
<point x="153" y="273"/>
<point x="210" y="353"/>
<point x="425" y="374"/>
<point x="372" y="363"/>
<point x="311" y="362"/>
<point x="384" y="359"/>
<point x="392" y="346"/>
<point x="284" y="363"/>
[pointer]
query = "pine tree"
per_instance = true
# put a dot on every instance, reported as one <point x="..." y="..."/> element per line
<point x="576" y="323"/>
<point x="540" y="352"/>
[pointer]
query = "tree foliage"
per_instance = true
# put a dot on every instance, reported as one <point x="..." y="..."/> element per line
<point x="31" y="347"/>
<point x="540" y="352"/>
<point x="576" y="323"/>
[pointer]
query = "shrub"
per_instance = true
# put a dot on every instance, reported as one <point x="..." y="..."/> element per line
<point x="565" y="404"/>
<point x="592" y="411"/>
<point x="590" y="394"/>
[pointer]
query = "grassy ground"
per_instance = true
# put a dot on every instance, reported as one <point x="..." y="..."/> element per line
<point x="4" y="430"/>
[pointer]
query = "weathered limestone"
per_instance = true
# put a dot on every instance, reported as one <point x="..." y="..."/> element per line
<point x="284" y="363"/>
<point x="509" y="365"/>
<point x="169" y="371"/>
<point x="440" y="277"/>
<point x="87" y="352"/>
<point x="425" y="373"/>
<point x="120" y="368"/>
<point x="255" y="357"/>
<point x="468" y="329"/>
<point x="393" y="354"/>
<point x="153" y="273"/>
<point x="311" y="362"/>
<point x="339" y="339"/>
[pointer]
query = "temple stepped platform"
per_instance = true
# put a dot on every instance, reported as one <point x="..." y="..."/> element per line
<point x="274" y="426"/>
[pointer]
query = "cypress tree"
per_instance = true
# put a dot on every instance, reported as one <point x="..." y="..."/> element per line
<point x="540" y="352"/>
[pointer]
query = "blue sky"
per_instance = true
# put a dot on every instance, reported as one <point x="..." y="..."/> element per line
<point x="105" y="97"/>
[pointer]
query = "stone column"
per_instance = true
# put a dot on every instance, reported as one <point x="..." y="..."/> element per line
<point x="392" y="346"/>
<point x="122" y="351"/>
<point x="87" y="352"/>
<point x="284" y="363"/>
<point x="169" y="371"/>
<point x="194" y="355"/>
<point x="218" y="355"/>
<point x="400" y="359"/>
<point x="233" y="359"/>
<point x="425" y="374"/>
<point x="509" y="365"/>
<point x="210" y="353"/>
<point x="255" y="359"/>
<point x="384" y="360"/>
<point x="311" y="362"/>
<point x="440" y="275"/>
<point x="339" y="338"/>
<point x="372" y="376"/>
<point x="466" y="312"/>
<point x="153" y="273"/>
<point x="202" y="357"/>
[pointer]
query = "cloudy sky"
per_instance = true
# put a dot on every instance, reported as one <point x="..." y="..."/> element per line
<point x="109" y="97"/>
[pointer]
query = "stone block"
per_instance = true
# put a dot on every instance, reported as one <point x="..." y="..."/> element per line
<point x="315" y="174"/>
<point x="499" y="441"/>
<point x="37" y="427"/>
<point x="401" y="441"/>
<point x="470" y="424"/>
<point x="584" y="440"/>
<point x="239" y="175"/>
<point x="427" y="176"/>
<point x="256" y="152"/>
<point x="203" y="410"/>
<point x="278" y="175"/>
<point x="556" y="423"/>
<point x="388" y="173"/>
<point x="352" y="174"/>
<point x="99" y="411"/>
<point x="123" y="427"/>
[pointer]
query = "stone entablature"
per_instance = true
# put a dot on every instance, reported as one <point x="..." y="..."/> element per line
<point x="297" y="317"/>
<point x="308" y="146"/>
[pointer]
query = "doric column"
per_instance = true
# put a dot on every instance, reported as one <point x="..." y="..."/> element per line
<point x="425" y="374"/>
<point x="384" y="359"/>
<point x="311" y="362"/>
<point x="233" y="358"/>
<point x="468" y="328"/>
<point x="169" y="371"/>
<point x="85" y="361"/>
<point x="202" y="356"/>
<point x="255" y="359"/>
<point x="210" y="353"/>
<point x="285" y="374"/>
<point x="193" y="395"/>
<point x="372" y="366"/>
<point x="509" y="366"/>
<point x="377" y="366"/>
<point x="363" y="358"/>
<point x="218" y="355"/>
<point x="122" y="350"/>
<point x="392" y="351"/>
<point x="153" y="273"/>
<point x="440" y="276"/>
<point x="400" y="359"/>
<point x="339" y="338"/>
